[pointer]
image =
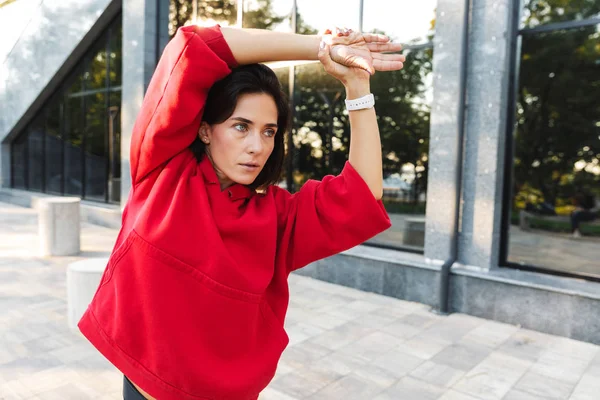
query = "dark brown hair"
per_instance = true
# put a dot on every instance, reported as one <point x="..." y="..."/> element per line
<point x="222" y="100"/>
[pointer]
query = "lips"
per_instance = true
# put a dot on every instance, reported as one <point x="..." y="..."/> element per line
<point x="250" y="165"/>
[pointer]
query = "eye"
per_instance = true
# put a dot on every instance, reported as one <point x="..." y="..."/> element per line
<point x="240" y="127"/>
<point x="270" y="132"/>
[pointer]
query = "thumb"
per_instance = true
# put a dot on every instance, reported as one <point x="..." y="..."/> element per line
<point x="324" y="56"/>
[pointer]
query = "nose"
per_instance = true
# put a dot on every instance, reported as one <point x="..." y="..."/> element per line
<point x="254" y="143"/>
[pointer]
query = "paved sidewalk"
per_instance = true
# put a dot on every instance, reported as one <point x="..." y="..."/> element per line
<point x="345" y="344"/>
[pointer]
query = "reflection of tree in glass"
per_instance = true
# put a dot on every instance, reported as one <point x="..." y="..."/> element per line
<point x="538" y="12"/>
<point x="557" y="144"/>
<point x="322" y="127"/>
<point x="221" y="11"/>
<point x="260" y="15"/>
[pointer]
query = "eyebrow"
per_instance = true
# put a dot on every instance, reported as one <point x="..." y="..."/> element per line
<point x="247" y="121"/>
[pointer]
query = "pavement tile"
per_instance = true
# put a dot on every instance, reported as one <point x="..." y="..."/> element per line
<point x="494" y="377"/>
<point x="561" y="367"/>
<point x="272" y="394"/>
<point x="374" y="373"/>
<point x="574" y="348"/>
<point x="588" y="388"/>
<point x="462" y="355"/>
<point x="303" y="382"/>
<point x="397" y="363"/>
<point x="371" y="346"/>
<point x="454" y="395"/>
<point x="491" y="334"/>
<point x="411" y="388"/>
<point x="422" y="347"/>
<point x="401" y="330"/>
<point x="523" y="345"/>
<point x="541" y="386"/>
<point x="519" y="395"/>
<point x="350" y="387"/>
<point x="304" y="353"/>
<point x="437" y="374"/>
<point x="301" y="331"/>
<point x="342" y="335"/>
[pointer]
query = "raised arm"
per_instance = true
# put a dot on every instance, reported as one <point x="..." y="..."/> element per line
<point x="198" y="57"/>
<point x="365" y="142"/>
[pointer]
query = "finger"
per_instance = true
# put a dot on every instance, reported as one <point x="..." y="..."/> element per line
<point x="375" y="38"/>
<point x="384" y="47"/>
<point x="387" y="65"/>
<point x="325" y="57"/>
<point x="389" y="57"/>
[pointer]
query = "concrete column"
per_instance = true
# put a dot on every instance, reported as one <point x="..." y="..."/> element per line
<point x="59" y="226"/>
<point x="83" y="278"/>
<point x="446" y="127"/>
<point x="145" y="34"/>
<point x="488" y="82"/>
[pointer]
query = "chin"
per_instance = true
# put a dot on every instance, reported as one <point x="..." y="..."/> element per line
<point x="245" y="180"/>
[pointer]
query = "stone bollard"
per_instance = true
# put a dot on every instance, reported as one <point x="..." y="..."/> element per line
<point x="83" y="278"/>
<point x="59" y="226"/>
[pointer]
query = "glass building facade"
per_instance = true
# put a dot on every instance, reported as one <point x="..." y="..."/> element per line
<point x="552" y="196"/>
<point x="73" y="145"/>
<point x="551" y="191"/>
<point x="319" y="140"/>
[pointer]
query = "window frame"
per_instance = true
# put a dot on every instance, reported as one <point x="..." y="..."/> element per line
<point x="509" y="157"/>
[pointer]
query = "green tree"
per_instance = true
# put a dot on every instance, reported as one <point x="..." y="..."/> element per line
<point x="557" y="114"/>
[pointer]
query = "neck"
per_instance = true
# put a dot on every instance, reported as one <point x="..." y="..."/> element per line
<point x="224" y="181"/>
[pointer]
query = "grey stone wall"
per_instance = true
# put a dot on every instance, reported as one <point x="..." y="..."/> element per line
<point x="145" y="34"/>
<point x="446" y="128"/>
<point x="55" y="29"/>
<point x="485" y="132"/>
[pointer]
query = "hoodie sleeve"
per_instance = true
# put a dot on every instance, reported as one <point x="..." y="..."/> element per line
<point x="327" y="217"/>
<point x="172" y="109"/>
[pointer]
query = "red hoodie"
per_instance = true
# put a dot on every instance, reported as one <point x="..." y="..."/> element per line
<point x="192" y="302"/>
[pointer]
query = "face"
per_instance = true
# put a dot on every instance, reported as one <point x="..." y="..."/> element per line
<point x="240" y="146"/>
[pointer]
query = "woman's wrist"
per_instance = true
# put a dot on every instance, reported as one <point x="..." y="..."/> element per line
<point x="357" y="89"/>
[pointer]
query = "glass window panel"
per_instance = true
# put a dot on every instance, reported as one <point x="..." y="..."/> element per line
<point x="96" y="155"/>
<point x="54" y="147"/>
<point x="317" y="15"/>
<point x="73" y="153"/>
<point x="35" y="144"/>
<point x="209" y="12"/>
<point x="115" y="55"/>
<point x="322" y="138"/>
<point x="50" y="156"/>
<point x="19" y="162"/>
<point x="405" y="21"/>
<point x="403" y="103"/>
<point x="268" y="14"/>
<point x="321" y="127"/>
<point x="540" y="12"/>
<point x="95" y="72"/>
<point x="114" y="151"/>
<point x="556" y="185"/>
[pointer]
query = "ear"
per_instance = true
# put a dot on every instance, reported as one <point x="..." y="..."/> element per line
<point x="204" y="132"/>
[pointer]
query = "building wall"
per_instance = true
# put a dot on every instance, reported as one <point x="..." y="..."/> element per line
<point x="40" y="57"/>
<point x="472" y="74"/>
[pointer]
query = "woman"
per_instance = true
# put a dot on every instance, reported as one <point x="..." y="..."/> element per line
<point x="192" y="302"/>
<point x="584" y="212"/>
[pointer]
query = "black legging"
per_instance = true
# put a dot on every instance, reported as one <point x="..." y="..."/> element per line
<point x="130" y="392"/>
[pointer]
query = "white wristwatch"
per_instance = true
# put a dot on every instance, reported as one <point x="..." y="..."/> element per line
<point x="361" y="103"/>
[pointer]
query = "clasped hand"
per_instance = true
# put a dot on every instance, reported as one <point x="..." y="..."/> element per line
<point x="348" y="55"/>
